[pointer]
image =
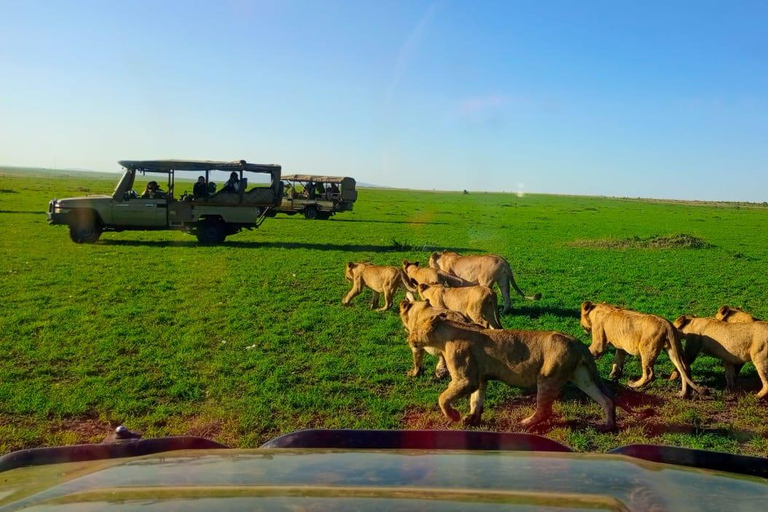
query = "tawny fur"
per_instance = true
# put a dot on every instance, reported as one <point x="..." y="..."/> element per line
<point x="479" y="303"/>
<point x="637" y="334"/>
<point x="475" y="355"/>
<point x="482" y="270"/>
<point x="734" y="343"/>
<point x="381" y="280"/>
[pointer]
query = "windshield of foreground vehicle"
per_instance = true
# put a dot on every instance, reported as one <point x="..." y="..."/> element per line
<point x="552" y="222"/>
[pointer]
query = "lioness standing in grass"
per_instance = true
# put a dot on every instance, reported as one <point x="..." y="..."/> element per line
<point x="734" y="315"/>
<point x="481" y="270"/>
<point x="479" y="303"/>
<point x="429" y="275"/>
<point x="733" y="343"/>
<point x="726" y="314"/>
<point x="635" y="334"/>
<point x="475" y="355"/>
<point x="381" y="280"/>
<point x="412" y="313"/>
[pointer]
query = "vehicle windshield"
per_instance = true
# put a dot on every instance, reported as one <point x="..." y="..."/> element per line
<point x="236" y="220"/>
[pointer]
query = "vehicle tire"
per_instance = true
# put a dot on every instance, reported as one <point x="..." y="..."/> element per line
<point x="84" y="228"/>
<point x="311" y="213"/>
<point x="323" y="215"/>
<point x="211" y="231"/>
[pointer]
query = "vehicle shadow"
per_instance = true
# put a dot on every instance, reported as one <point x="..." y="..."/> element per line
<point x="285" y="245"/>
<point x="373" y="221"/>
<point x="537" y="311"/>
<point x="28" y="212"/>
<point x="416" y="222"/>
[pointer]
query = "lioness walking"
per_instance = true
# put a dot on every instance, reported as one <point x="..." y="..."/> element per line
<point x="733" y="343"/>
<point x="726" y="314"/>
<point x="479" y="303"/>
<point x="412" y="314"/>
<point x="481" y="270"/>
<point x="381" y="280"/>
<point x="635" y="334"/>
<point x="428" y="275"/>
<point x="475" y="355"/>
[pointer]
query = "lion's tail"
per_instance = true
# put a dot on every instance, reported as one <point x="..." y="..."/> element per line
<point x="408" y="284"/>
<point x="451" y="280"/>
<point x="676" y="355"/>
<point x="494" y="320"/>
<point x="511" y="278"/>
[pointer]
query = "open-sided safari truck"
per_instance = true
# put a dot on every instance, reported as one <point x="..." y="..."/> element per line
<point x="208" y="214"/>
<point x="317" y="197"/>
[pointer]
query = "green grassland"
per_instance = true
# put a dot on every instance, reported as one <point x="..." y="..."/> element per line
<point x="248" y="340"/>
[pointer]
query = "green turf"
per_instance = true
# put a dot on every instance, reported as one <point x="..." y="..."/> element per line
<point x="249" y="340"/>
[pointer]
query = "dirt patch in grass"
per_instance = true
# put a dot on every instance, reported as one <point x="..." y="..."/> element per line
<point x="678" y="241"/>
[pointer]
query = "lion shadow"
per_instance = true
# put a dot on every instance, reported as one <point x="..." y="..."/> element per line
<point x="537" y="311"/>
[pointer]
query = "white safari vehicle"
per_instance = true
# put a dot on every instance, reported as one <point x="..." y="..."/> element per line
<point x="206" y="213"/>
<point x="316" y="197"/>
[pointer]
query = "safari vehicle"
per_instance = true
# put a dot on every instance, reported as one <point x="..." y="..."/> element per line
<point x="317" y="197"/>
<point x="211" y="216"/>
<point x="378" y="470"/>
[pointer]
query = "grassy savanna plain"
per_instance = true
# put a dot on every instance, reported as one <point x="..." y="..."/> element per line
<point x="248" y="340"/>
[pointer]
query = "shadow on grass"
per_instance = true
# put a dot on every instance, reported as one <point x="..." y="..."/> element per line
<point x="537" y="311"/>
<point x="285" y="245"/>
<point x="415" y="222"/>
<point x="28" y="212"/>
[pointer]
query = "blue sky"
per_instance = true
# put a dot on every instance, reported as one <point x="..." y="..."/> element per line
<point x="638" y="99"/>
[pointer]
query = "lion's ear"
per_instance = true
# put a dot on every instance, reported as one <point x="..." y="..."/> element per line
<point x="405" y="305"/>
<point x="350" y="265"/>
<point x="445" y="251"/>
<point x="434" y="255"/>
<point x="682" y="321"/>
<point x="428" y="303"/>
<point x="405" y="263"/>
<point x="415" y="263"/>
<point x="587" y="306"/>
<point x="724" y="311"/>
<point x="422" y="287"/>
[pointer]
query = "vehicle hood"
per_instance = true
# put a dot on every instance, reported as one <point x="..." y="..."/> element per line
<point x="326" y="479"/>
<point x="83" y="202"/>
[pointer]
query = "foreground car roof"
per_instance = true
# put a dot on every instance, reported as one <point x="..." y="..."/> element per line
<point x="195" y="165"/>
<point x="328" y="479"/>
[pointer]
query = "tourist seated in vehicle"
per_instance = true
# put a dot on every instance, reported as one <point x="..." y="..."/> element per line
<point x="232" y="185"/>
<point x="319" y="189"/>
<point x="200" y="189"/>
<point x="334" y="189"/>
<point x="153" y="191"/>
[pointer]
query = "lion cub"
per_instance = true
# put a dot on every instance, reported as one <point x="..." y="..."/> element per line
<point x="635" y="334"/>
<point x="431" y="275"/>
<point x="413" y="313"/>
<point x="475" y="355"/>
<point x="382" y="280"/>
<point x="733" y="343"/>
<point x="479" y="303"/>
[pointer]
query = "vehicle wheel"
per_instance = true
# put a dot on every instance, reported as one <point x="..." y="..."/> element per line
<point x="311" y="213"/>
<point x="84" y="228"/>
<point x="323" y="215"/>
<point x="211" y="231"/>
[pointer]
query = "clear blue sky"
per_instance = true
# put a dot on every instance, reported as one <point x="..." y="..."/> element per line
<point x="653" y="99"/>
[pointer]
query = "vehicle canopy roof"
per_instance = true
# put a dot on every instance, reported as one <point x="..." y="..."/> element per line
<point x="320" y="179"/>
<point x="195" y="165"/>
